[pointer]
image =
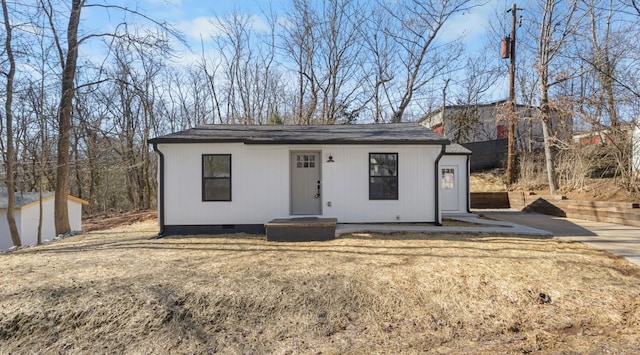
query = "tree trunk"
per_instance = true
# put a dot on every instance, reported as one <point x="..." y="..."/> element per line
<point x="10" y="159"/>
<point x="550" y="43"/>
<point x="404" y="103"/>
<point x="549" y="156"/>
<point x="92" y="146"/>
<point x="61" y="212"/>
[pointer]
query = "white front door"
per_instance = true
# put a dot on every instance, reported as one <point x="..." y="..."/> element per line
<point x="305" y="183"/>
<point x="449" y="188"/>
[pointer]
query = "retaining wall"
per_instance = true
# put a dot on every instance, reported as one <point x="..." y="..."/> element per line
<point x="600" y="211"/>
<point x="484" y="200"/>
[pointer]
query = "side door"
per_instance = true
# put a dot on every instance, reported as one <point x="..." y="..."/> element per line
<point x="449" y="188"/>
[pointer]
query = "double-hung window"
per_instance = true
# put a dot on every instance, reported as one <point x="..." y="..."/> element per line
<point x="216" y="177"/>
<point x="383" y="176"/>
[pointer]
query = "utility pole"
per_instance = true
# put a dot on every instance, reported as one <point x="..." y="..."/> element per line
<point x="444" y="106"/>
<point x="511" y="125"/>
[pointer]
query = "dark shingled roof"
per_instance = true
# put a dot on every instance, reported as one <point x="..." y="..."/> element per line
<point x="396" y="133"/>
<point x="22" y="198"/>
<point x="457" y="149"/>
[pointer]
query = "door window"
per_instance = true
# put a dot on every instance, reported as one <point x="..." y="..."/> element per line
<point x="305" y="161"/>
<point x="448" y="178"/>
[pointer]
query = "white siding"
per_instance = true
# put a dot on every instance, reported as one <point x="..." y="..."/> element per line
<point x="75" y="215"/>
<point x="346" y="185"/>
<point x="5" y="236"/>
<point x="260" y="184"/>
<point x="29" y="222"/>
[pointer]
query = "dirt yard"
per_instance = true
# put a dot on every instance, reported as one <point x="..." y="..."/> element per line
<point x="593" y="189"/>
<point x="117" y="219"/>
<point x="116" y="291"/>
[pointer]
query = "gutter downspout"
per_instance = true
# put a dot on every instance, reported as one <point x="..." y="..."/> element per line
<point x="438" y="220"/>
<point x="160" y="191"/>
<point x="468" y="183"/>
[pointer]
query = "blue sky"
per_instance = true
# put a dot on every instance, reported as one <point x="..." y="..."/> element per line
<point x="196" y="20"/>
<point x="193" y="17"/>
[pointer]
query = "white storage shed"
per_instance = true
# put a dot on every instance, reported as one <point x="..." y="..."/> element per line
<point x="27" y="215"/>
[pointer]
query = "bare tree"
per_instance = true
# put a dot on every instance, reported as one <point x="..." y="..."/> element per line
<point x="300" y="45"/>
<point x="340" y="58"/>
<point x="381" y="48"/>
<point x="418" y="24"/>
<point x="9" y="147"/>
<point x="68" y="62"/>
<point x="606" y="87"/>
<point x="558" y="22"/>
<point x="477" y="79"/>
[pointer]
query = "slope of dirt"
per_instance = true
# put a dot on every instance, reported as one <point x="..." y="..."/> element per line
<point x="109" y="221"/>
<point x="606" y="189"/>
<point x="488" y="181"/>
<point x="116" y="291"/>
<point x="600" y="190"/>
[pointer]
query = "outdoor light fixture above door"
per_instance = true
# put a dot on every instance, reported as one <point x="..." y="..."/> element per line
<point x="330" y="160"/>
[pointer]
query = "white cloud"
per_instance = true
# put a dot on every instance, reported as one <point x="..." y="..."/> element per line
<point x="201" y="27"/>
<point x="207" y="27"/>
<point x="165" y="2"/>
<point x="467" y="25"/>
<point x="259" y="24"/>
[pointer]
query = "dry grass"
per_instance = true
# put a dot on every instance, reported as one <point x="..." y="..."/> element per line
<point x="118" y="292"/>
<point x="488" y="181"/>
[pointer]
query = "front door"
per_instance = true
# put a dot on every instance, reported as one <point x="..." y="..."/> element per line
<point x="450" y="198"/>
<point x="305" y="183"/>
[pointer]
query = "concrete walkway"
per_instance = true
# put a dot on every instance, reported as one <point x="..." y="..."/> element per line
<point x="484" y="226"/>
<point x="615" y="238"/>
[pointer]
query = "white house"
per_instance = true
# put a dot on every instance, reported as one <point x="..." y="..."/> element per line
<point x="224" y="178"/>
<point x="27" y="215"/>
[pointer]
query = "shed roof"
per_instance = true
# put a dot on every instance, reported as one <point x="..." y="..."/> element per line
<point x="457" y="149"/>
<point x="26" y="198"/>
<point x="396" y="133"/>
<point x="22" y="198"/>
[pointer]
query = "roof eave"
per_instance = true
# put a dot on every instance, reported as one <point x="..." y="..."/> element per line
<point x="298" y="142"/>
<point x="161" y="140"/>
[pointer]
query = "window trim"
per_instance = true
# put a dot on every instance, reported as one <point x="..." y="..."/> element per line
<point x="204" y="178"/>
<point x="397" y="190"/>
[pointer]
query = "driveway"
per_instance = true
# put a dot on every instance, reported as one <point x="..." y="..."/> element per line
<point x="615" y="238"/>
